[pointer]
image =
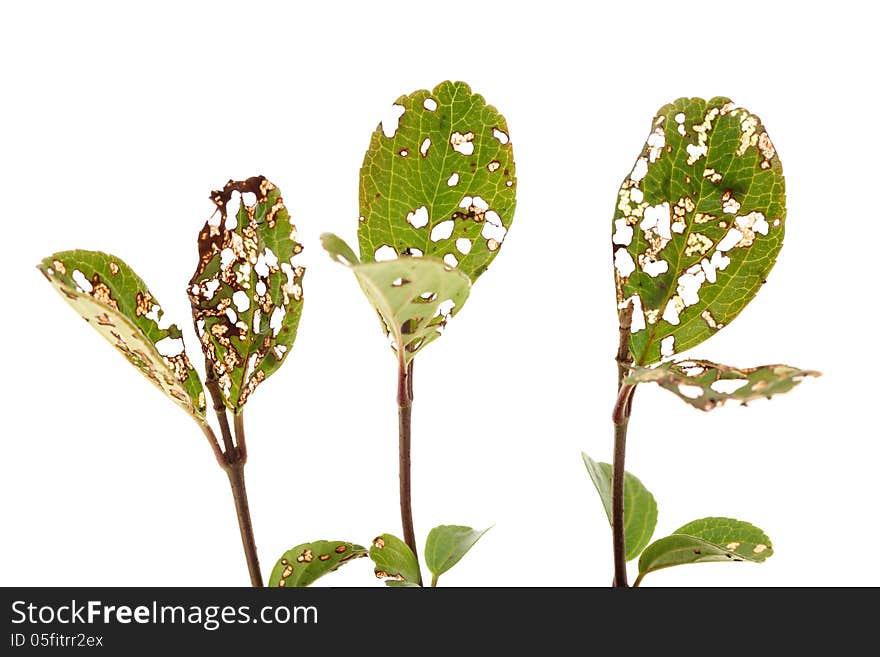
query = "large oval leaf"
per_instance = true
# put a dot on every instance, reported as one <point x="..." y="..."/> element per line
<point x="395" y="562"/>
<point x="706" y="385"/>
<point x="639" y="506"/>
<point x="698" y="224"/>
<point x="705" y="540"/>
<point x="438" y="179"/>
<point x="117" y="303"/>
<point x="303" y="564"/>
<point x="246" y="293"/>
<point x="446" y="545"/>
<point x="414" y="297"/>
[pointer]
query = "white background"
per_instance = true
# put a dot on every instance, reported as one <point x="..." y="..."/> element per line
<point x="118" y="121"/>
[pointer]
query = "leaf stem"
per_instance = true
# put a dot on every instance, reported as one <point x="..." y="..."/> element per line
<point x="638" y="580"/>
<point x="232" y="461"/>
<point x="404" y="405"/>
<point x="620" y="417"/>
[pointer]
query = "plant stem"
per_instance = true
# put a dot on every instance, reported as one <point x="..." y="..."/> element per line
<point x="433" y="581"/>
<point x="235" y="472"/>
<point x="638" y="580"/>
<point x="233" y="459"/>
<point x="404" y="405"/>
<point x="620" y="417"/>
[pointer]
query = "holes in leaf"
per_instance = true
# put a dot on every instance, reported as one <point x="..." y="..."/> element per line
<point x="623" y="232"/>
<point x="399" y="282"/>
<point x="728" y="386"/>
<point x="730" y="240"/>
<point x="493" y="166"/>
<point x="640" y="170"/>
<point x="450" y="260"/>
<point x="430" y="104"/>
<point x="624" y="263"/>
<point x="463" y="245"/>
<point x="241" y="300"/>
<point x="81" y="281"/>
<point x="276" y="320"/>
<point x="689" y="391"/>
<point x="170" y="347"/>
<point x="462" y="143"/>
<point x="418" y="218"/>
<point x="501" y="136"/>
<point x="384" y="253"/>
<point x="391" y="120"/>
<point x="426" y="144"/>
<point x="442" y="231"/>
<point x="667" y="346"/>
<point x="453" y="180"/>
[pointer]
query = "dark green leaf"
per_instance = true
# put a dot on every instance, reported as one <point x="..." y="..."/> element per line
<point x="438" y="180"/>
<point x="639" y="507"/>
<point x="705" y="385"/>
<point x="698" y="224"/>
<point x="704" y="540"/>
<point x="414" y="297"/>
<point x="246" y="293"/>
<point x="303" y="564"/>
<point x="395" y="562"/>
<point x="446" y="545"/>
<point x="117" y="303"/>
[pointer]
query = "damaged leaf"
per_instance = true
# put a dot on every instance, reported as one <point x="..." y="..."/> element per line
<point x="395" y="562"/>
<point x="704" y="540"/>
<point x="705" y="385"/>
<point x="414" y="297"/>
<point x="246" y="293"/>
<point x="117" y="303"/>
<point x="438" y="180"/>
<point x="446" y="545"/>
<point x="698" y="224"/>
<point x="303" y="564"/>
<point x="639" y="506"/>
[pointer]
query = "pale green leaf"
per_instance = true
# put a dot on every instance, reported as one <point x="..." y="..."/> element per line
<point x="117" y="303"/>
<point x="698" y="224"/>
<point x="303" y="564"/>
<point x="705" y="385"/>
<point x="447" y="544"/>
<point x="246" y="293"/>
<point x="705" y="540"/>
<point x="414" y="296"/>
<point x="438" y="180"/>
<point x="639" y="506"/>
<point x="395" y="563"/>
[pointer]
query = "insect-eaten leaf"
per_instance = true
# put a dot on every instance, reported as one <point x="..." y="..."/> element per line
<point x="415" y="297"/>
<point x="303" y="564"/>
<point x="117" y="303"/>
<point x="639" y="506"/>
<point x="705" y="385"/>
<point x="698" y="224"/>
<point x="438" y="180"/>
<point x="446" y="545"/>
<point x="395" y="563"/>
<point x="246" y="293"/>
<point x="704" y="540"/>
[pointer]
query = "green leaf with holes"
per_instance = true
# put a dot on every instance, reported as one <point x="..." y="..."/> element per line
<point x="446" y="545"/>
<point x="698" y="224"/>
<point x="705" y="385"/>
<point x="415" y="297"/>
<point x="639" y="506"/>
<point x="438" y="180"/>
<point x="117" y="303"/>
<point x="395" y="563"/>
<point x="303" y="564"/>
<point x="246" y="293"/>
<point x="704" y="540"/>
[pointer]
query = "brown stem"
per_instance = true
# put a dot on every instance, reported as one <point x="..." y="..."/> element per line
<point x="404" y="405"/>
<point x="235" y="472"/>
<point x="220" y="410"/>
<point x="620" y="417"/>
<point x="215" y="446"/>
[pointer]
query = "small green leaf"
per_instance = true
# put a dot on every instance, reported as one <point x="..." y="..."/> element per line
<point x="698" y="224"/>
<point x="395" y="562"/>
<point x="704" y="540"/>
<point x="117" y="303"/>
<point x="639" y="506"/>
<point x="303" y="564"/>
<point x="446" y="545"/>
<point x="705" y="385"/>
<point x="414" y="296"/>
<point x="438" y="180"/>
<point x="246" y="293"/>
